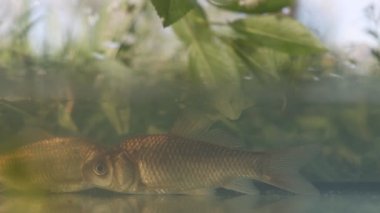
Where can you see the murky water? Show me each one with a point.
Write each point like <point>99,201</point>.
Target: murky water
<point>120,74</point>
<point>346,170</point>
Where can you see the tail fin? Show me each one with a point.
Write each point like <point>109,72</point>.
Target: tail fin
<point>280,169</point>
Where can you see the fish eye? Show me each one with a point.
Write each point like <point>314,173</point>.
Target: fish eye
<point>100,168</point>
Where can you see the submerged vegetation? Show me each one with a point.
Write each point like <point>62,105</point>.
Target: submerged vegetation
<point>142,68</point>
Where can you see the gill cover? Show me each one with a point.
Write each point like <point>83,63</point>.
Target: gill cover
<point>125,173</point>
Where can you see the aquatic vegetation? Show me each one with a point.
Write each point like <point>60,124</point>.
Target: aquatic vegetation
<point>262,77</point>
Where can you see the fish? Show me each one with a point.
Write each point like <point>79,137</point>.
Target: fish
<point>172,164</point>
<point>53,164</point>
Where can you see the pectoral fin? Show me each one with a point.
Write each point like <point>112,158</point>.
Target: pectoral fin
<point>242,185</point>
<point>206,191</point>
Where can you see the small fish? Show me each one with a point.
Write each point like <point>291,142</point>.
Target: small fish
<point>53,164</point>
<point>172,164</point>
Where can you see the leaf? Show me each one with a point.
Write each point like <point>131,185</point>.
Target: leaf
<point>280,33</point>
<point>252,6</point>
<point>213,65</point>
<point>267,6</point>
<point>186,28</point>
<point>172,10</point>
<point>267,62</point>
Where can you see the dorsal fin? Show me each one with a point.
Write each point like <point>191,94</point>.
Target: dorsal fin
<point>197,126</point>
<point>193,123</point>
<point>31,134</point>
<point>220,137</point>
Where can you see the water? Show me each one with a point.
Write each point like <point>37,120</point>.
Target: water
<point>340,114</point>
<point>77,203</point>
<point>117,72</point>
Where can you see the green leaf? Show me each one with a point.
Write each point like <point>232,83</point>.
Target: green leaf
<point>172,10</point>
<point>186,29</point>
<point>252,6</point>
<point>213,65</point>
<point>280,33</point>
<point>267,62</point>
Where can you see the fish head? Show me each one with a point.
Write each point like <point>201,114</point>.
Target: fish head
<point>111,171</point>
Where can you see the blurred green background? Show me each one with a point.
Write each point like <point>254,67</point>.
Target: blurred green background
<point>262,77</point>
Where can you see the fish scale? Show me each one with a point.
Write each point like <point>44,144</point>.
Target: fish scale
<point>171,163</point>
<point>168,163</point>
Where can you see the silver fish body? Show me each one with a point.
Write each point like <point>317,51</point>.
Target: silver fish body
<point>53,164</point>
<point>172,164</point>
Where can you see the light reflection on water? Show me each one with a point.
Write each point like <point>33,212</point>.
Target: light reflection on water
<point>77,203</point>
